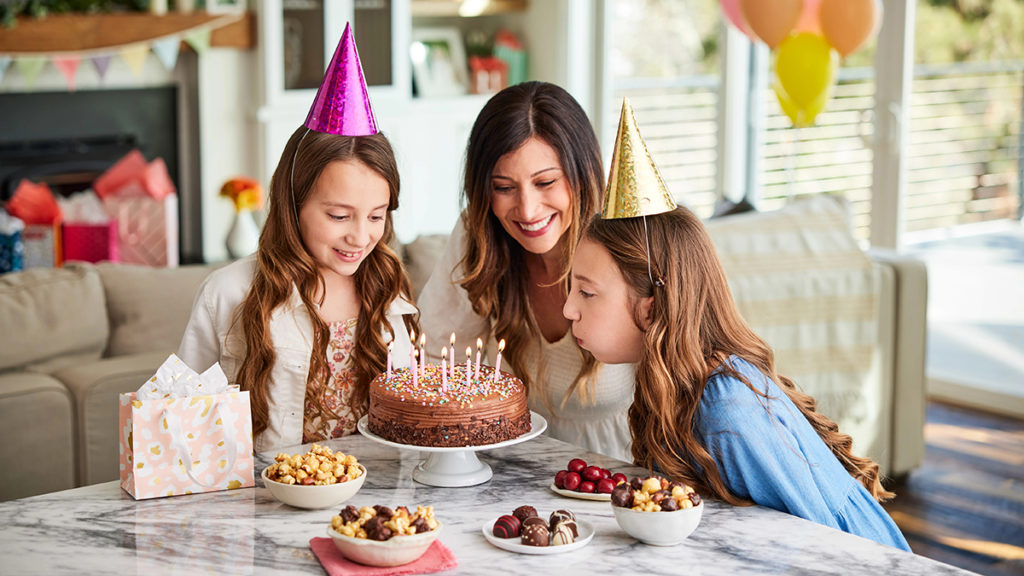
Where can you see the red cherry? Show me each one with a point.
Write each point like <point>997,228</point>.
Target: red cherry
<point>605,485</point>
<point>619,477</point>
<point>571,481</point>
<point>560,478</point>
<point>586,487</point>
<point>605,473</point>
<point>591,474</point>
<point>576,465</point>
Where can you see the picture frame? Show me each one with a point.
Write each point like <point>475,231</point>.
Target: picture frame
<point>225,6</point>
<point>438,62</point>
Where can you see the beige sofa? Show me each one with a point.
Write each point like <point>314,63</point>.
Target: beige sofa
<point>72,339</point>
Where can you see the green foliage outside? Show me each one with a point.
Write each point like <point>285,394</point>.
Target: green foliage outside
<point>41,8</point>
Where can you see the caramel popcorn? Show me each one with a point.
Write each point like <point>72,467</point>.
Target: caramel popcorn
<point>318,467</point>
<point>654,494</point>
<point>382,523</point>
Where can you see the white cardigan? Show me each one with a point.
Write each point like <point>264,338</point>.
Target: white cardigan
<point>210,337</point>
<point>601,426</point>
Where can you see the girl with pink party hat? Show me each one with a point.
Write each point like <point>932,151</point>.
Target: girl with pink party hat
<point>304,324</point>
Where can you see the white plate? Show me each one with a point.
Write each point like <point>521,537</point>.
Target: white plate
<point>581,495</point>
<point>513,544</point>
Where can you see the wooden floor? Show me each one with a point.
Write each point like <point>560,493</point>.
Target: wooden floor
<point>965,505</point>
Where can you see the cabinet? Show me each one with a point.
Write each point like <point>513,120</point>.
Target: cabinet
<point>298,38</point>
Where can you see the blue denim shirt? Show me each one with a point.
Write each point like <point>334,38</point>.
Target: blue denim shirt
<point>767,452</point>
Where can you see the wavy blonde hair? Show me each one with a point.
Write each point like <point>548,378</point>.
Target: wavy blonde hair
<point>694,328</point>
<point>283,264</point>
<point>510,118</point>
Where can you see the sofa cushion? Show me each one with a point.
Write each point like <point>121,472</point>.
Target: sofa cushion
<point>420,256</point>
<point>37,425</point>
<point>49,313</point>
<point>148,307</point>
<point>95,387</point>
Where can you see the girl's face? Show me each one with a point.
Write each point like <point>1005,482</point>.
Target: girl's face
<point>601,307</point>
<point>530,196</point>
<point>344,216</point>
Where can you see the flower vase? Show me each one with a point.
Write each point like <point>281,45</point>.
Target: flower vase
<point>244,236</point>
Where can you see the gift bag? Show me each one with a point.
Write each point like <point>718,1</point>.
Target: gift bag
<point>90,242</point>
<point>41,246</point>
<point>147,228</point>
<point>172,446</point>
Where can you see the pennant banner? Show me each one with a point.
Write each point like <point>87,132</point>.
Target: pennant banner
<point>30,69</point>
<point>5,61</point>
<point>199,40</point>
<point>135,57</point>
<point>68,66</point>
<point>101,63</point>
<point>166,49</point>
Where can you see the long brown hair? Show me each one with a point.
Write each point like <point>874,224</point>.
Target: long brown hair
<point>694,328</point>
<point>507,121</point>
<point>282,263</point>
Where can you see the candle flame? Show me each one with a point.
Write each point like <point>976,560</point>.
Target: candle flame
<point>452,339</point>
<point>501,345</point>
<point>469,351</point>
<point>444,352</point>
<point>391,345</point>
<point>479,343</point>
<point>423,339</point>
<point>412,335</point>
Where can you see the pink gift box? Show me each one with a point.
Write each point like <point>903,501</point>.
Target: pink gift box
<point>175,446</point>
<point>90,242</point>
<point>147,229</point>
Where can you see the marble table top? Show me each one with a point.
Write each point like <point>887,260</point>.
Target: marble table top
<point>101,529</point>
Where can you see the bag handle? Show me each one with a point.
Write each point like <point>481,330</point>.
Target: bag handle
<point>180,443</point>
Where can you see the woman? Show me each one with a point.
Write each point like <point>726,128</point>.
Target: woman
<point>533,177</point>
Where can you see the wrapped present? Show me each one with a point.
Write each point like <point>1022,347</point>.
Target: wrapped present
<point>147,229</point>
<point>11,247</point>
<point>35,205</point>
<point>184,433</point>
<point>89,242</point>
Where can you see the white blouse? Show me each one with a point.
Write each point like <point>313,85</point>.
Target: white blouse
<point>599,426</point>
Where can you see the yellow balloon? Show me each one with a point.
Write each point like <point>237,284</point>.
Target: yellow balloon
<point>801,116</point>
<point>805,66</point>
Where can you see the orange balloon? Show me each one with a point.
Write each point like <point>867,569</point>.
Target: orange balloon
<point>771,20</point>
<point>808,21</point>
<point>848,24</point>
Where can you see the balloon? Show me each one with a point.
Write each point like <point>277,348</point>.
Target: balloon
<point>805,70</point>
<point>731,8</point>
<point>771,20</point>
<point>848,24</point>
<point>809,20</point>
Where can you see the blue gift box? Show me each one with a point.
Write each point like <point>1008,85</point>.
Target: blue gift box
<point>11,251</point>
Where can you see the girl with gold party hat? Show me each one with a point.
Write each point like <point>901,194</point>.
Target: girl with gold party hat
<point>709,408</point>
<point>304,324</point>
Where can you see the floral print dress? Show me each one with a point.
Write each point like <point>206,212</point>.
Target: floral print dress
<point>339,389</point>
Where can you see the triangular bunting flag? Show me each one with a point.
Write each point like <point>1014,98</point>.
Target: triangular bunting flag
<point>5,61</point>
<point>199,40</point>
<point>135,57</point>
<point>101,63</point>
<point>166,49</point>
<point>30,69</point>
<point>68,66</point>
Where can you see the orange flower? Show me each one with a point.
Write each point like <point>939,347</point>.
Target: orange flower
<point>246,193</point>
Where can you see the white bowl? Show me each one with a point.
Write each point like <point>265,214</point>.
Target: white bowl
<point>659,528</point>
<point>395,551</point>
<point>314,497</point>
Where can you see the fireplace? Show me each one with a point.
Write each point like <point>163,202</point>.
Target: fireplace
<point>66,139</point>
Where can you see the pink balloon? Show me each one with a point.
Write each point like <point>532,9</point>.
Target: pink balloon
<point>735,16</point>
<point>810,19</point>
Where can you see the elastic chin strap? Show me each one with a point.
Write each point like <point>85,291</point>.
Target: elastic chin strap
<point>291,179</point>
<point>647,244</point>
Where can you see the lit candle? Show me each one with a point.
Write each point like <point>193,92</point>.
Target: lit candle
<point>412,349</point>
<point>444,368</point>
<point>412,366</point>
<point>451,360</point>
<point>423,355</point>
<point>469,368</point>
<point>391,346</point>
<point>479,345</point>
<point>497,363</point>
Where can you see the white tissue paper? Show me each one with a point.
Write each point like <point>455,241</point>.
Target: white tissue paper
<point>174,379</point>
<point>9,224</point>
<point>83,208</point>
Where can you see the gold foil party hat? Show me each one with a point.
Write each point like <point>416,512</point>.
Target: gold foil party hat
<point>634,186</point>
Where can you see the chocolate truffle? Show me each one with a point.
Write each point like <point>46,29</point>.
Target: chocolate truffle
<point>571,526</point>
<point>535,535</point>
<point>524,512</point>
<point>559,515</point>
<point>506,526</point>
<point>535,520</point>
<point>622,496</point>
<point>563,534</point>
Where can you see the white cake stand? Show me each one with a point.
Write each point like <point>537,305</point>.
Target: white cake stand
<point>456,466</point>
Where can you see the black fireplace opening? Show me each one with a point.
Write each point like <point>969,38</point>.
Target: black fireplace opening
<point>67,139</point>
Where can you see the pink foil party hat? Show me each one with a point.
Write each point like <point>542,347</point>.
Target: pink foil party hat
<point>342,105</point>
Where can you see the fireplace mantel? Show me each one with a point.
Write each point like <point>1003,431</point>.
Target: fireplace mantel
<point>82,32</point>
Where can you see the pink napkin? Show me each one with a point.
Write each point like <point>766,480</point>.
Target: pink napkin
<point>437,558</point>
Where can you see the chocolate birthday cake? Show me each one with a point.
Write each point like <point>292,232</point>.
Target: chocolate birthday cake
<point>448,412</point>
